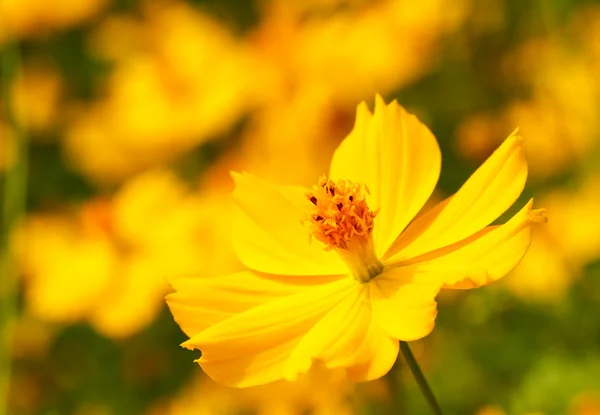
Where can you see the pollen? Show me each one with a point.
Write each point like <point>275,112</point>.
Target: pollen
<point>341,218</point>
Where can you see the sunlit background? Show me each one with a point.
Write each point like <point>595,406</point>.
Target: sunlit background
<point>135,111</point>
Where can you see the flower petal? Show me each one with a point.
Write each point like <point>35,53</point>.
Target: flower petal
<point>487,194</point>
<point>200,302</point>
<point>269,235</point>
<point>265,331</point>
<point>399,160</point>
<point>252,369</point>
<point>487,256</point>
<point>404,303</point>
<point>347,337</point>
<point>375,357</point>
<point>338,328</point>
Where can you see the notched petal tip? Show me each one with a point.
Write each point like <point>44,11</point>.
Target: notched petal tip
<point>379,103</point>
<point>515,140</point>
<point>363,114</point>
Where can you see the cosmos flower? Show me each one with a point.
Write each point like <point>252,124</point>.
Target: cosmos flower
<point>341,272</point>
<point>321,391</point>
<point>123,260</point>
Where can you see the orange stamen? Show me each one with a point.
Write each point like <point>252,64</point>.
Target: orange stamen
<point>343,221</point>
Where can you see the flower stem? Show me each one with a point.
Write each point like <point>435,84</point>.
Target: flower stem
<point>421,381</point>
<point>13,207</point>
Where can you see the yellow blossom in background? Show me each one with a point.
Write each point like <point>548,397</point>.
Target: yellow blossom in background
<point>586,403</point>
<point>304,128</point>
<point>495,410</point>
<point>375,47</point>
<point>560,251</point>
<point>585,27</point>
<point>354,51</point>
<point>54,248</point>
<point>37,96</point>
<point>544,274</point>
<point>181,78</point>
<point>323,56</point>
<point>185,81</point>
<point>34,18</point>
<point>490,410</point>
<point>371,273</point>
<point>320,392</point>
<point>559,116</point>
<point>577,225</point>
<point>108,262</point>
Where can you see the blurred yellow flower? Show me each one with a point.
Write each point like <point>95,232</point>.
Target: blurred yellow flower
<point>576,229</point>
<point>559,114</point>
<point>372,272</point>
<point>37,95</point>
<point>180,79</point>
<point>319,392</point>
<point>490,410</point>
<point>560,251</point>
<point>356,50</point>
<point>108,264</point>
<point>29,18</point>
<point>396,40</point>
<point>544,274</point>
<point>586,403</point>
<point>305,127</point>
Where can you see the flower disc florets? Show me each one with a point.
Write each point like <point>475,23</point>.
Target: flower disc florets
<point>343,221</point>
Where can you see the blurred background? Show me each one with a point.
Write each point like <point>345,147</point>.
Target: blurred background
<point>125,117</point>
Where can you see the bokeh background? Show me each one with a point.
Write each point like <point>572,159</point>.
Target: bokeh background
<point>131,113</point>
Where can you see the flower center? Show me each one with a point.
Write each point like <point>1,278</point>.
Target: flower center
<point>343,221</point>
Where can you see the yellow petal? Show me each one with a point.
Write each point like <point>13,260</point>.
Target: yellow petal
<point>485,257</point>
<point>376,355</point>
<point>347,337</point>
<point>404,303</point>
<point>200,302</point>
<point>134,302</point>
<point>265,328</point>
<point>487,194</point>
<point>252,369</point>
<point>399,160</point>
<point>339,328</point>
<point>268,231</point>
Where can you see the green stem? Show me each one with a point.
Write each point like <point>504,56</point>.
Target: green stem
<point>421,381</point>
<point>13,207</point>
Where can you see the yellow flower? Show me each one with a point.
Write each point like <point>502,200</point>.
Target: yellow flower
<point>35,18</point>
<point>559,113</point>
<point>321,392</point>
<point>193,81</point>
<point>369,275</point>
<point>560,252</point>
<point>37,97</point>
<point>125,246</point>
<point>586,403</point>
